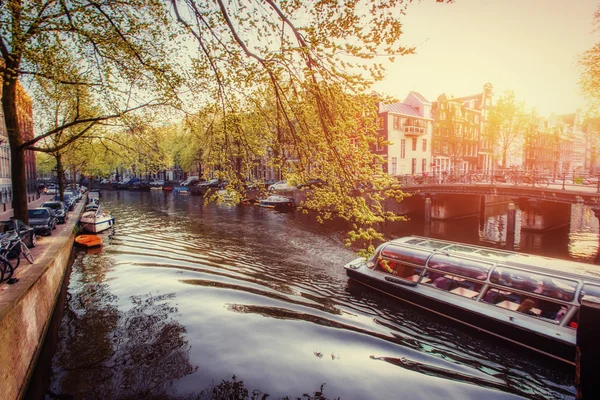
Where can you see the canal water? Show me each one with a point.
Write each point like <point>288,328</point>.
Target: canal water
<point>188,300</point>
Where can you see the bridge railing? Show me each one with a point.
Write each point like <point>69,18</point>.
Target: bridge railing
<point>557,180</point>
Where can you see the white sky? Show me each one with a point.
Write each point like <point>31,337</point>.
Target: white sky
<point>529,46</point>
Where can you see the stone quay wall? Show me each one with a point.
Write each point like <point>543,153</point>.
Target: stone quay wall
<point>26,308</point>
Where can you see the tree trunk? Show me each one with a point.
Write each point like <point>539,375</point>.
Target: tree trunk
<point>60,173</point>
<point>17,155</point>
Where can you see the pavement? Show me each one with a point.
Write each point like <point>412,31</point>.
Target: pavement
<point>33,204</point>
<point>44,243</point>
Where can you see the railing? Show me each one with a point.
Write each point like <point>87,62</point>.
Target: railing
<point>414,129</point>
<point>564,181</point>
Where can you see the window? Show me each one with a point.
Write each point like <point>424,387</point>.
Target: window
<point>378,145</point>
<point>396,120</point>
<point>394,165</point>
<point>413,169</point>
<point>414,144</point>
<point>424,144</point>
<point>403,148</point>
<point>558,288</point>
<point>424,165</point>
<point>381,123</point>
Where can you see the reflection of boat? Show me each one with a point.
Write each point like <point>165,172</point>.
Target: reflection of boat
<point>95,220</point>
<point>88,240</point>
<point>277,202</point>
<point>525,299</point>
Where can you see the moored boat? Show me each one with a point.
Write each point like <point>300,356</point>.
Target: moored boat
<point>181,190</point>
<point>95,220</point>
<point>277,202</point>
<point>528,300</point>
<point>88,240</point>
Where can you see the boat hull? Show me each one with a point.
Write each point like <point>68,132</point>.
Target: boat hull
<point>88,240</point>
<point>506,330</point>
<point>96,225</point>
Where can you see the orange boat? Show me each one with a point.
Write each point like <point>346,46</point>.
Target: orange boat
<point>88,240</point>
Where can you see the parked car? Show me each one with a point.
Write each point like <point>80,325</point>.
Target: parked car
<point>157,182</point>
<point>51,189</point>
<point>312,183</point>
<point>105,181</point>
<point>190,181</point>
<point>211,183</point>
<point>59,209</point>
<point>281,185</point>
<point>26,233</point>
<point>68,199</point>
<point>42,220</point>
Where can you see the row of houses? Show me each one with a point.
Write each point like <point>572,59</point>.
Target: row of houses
<point>417,136</point>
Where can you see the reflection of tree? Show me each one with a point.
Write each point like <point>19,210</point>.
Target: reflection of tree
<point>108,353</point>
<point>236,390</point>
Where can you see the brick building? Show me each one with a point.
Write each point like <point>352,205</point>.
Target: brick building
<point>459,137</point>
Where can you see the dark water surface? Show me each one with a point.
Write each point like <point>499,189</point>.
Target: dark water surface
<point>185,295</point>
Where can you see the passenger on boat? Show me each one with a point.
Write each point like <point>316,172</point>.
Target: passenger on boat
<point>526,307</point>
<point>404,271</point>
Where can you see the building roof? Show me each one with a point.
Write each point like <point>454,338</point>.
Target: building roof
<point>567,118</point>
<point>421,98</point>
<point>404,109</point>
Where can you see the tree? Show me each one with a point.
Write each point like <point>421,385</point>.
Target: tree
<point>113,49</point>
<point>590,72</point>
<point>507,126</point>
<point>302,66</point>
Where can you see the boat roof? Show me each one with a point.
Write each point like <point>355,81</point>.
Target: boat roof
<point>547,265</point>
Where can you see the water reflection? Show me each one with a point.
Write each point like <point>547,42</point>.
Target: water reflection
<point>114,350</point>
<point>186,294</point>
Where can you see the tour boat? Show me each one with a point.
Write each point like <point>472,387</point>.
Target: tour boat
<point>277,202</point>
<point>94,220</point>
<point>529,300</point>
<point>88,240</point>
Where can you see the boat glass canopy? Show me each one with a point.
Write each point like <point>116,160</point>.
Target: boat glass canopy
<point>558,288</point>
<point>430,244</point>
<point>460,266</point>
<point>406,254</point>
<point>589,290</point>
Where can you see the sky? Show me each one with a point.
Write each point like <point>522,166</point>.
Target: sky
<point>529,46</point>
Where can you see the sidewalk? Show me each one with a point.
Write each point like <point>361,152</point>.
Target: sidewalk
<point>6,215</point>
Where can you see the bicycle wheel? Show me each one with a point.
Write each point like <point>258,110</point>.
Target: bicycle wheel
<point>6,270</point>
<point>26,253</point>
<point>542,182</point>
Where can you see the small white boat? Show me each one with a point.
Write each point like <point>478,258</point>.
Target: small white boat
<point>276,201</point>
<point>95,220</point>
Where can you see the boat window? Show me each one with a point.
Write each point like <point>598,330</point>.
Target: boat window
<point>462,249</point>
<point>496,255</point>
<point>522,303</point>
<point>590,290</point>
<point>459,266</point>
<point>399,269</point>
<point>405,254</point>
<point>558,288</point>
<point>452,283</point>
<point>414,241</point>
<point>433,244</point>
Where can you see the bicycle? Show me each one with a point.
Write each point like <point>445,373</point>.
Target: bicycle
<point>530,180</point>
<point>8,248</point>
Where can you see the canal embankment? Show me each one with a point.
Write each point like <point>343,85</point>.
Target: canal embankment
<point>26,307</point>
